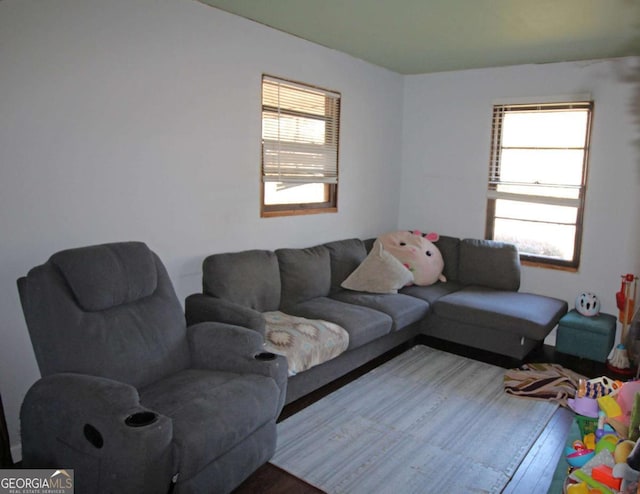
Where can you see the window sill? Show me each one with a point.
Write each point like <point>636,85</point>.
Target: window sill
<point>296,212</point>
<point>540,264</point>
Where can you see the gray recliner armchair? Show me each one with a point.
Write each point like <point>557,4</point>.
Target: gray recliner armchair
<point>130,397</point>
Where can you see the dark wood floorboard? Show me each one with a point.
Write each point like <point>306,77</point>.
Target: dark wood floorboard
<point>536,471</point>
<point>534,474</point>
<point>269,479</point>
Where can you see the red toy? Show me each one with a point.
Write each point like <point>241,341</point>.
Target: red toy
<point>626,298</point>
<point>604,474</point>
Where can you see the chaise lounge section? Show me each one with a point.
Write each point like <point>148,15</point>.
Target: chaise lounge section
<point>479,305</point>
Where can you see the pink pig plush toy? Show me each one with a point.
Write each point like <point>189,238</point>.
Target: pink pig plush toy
<point>418,254</point>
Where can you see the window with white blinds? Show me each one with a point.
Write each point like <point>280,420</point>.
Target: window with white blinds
<point>300,137</point>
<point>537,179</point>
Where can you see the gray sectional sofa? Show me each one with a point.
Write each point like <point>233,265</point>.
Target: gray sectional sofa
<point>479,305</point>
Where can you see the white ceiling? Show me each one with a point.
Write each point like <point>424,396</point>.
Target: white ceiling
<point>421,36</point>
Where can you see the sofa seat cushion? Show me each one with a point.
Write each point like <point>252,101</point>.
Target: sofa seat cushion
<point>362,323</point>
<point>433,292</point>
<point>526,314</point>
<point>211,412</point>
<point>403,309</point>
<point>305,342</point>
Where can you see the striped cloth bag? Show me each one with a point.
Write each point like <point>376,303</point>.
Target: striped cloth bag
<point>542,381</point>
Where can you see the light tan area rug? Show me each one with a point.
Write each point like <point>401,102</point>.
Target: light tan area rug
<point>425,422</point>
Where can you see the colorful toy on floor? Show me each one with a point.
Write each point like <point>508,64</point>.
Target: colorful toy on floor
<point>633,460</point>
<point>623,450</point>
<point>609,406</point>
<point>607,442</point>
<point>591,482</point>
<point>585,406</point>
<point>634,419</point>
<point>605,459</point>
<point>578,454</point>
<point>580,457</point>
<point>590,441</point>
<point>597,387</point>
<point>625,301</point>
<point>625,397</point>
<point>600,429</point>
<point>604,474</point>
<point>581,488</point>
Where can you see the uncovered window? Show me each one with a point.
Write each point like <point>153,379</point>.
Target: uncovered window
<point>300,135</point>
<point>537,180</point>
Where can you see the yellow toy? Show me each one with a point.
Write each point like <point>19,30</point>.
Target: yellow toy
<point>581,488</point>
<point>590,441</point>
<point>609,406</point>
<point>623,450</point>
<point>591,483</point>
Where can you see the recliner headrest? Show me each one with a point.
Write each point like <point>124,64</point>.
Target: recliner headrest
<point>108,275</point>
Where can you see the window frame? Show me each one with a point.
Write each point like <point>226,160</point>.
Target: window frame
<point>493,195</point>
<point>332,133</point>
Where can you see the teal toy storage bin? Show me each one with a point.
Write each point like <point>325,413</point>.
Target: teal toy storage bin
<point>587,337</point>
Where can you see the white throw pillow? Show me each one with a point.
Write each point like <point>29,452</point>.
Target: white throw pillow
<point>380,272</point>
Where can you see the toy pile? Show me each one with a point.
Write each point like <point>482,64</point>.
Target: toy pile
<point>606,460</point>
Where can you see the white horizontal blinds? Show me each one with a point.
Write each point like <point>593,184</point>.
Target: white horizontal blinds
<point>496,140</point>
<point>300,127</point>
<point>538,153</point>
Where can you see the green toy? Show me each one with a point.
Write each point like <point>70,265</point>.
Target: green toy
<point>634,422</point>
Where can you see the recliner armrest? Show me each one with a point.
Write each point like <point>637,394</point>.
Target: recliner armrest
<point>81,420</point>
<point>229,348</point>
<point>204,308</point>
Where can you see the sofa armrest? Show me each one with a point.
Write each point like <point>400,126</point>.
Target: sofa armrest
<point>204,308</point>
<point>228,348</point>
<point>83,421</point>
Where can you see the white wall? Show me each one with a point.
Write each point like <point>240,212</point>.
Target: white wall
<point>123,120</point>
<point>447,122</point>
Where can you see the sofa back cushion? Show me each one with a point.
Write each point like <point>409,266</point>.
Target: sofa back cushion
<point>250,278</point>
<point>304,274</point>
<point>489,263</point>
<point>449,247</point>
<point>368,243</point>
<point>346,256</point>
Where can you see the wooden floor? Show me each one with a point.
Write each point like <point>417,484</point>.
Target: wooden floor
<point>534,474</point>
